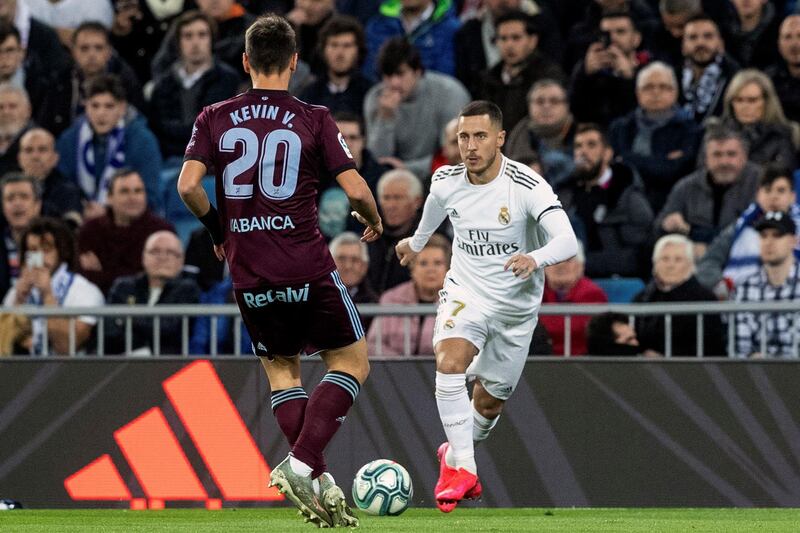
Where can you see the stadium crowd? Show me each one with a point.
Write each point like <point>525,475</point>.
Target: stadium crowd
<point>668,128</point>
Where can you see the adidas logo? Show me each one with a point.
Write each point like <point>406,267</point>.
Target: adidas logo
<point>218,433</point>
<point>452,213</point>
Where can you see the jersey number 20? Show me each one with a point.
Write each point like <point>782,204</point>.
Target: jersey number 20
<point>266,163</point>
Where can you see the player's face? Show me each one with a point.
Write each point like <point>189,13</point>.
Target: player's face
<point>103,112</point>
<point>479,142</point>
<point>548,105</point>
<point>397,204</point>
<point>162,256</point>
<point>590,152</point>
<point>563,276</point>
<point>91,52</point>
<point>37,154</point>
<point>725,160</point>
<point>351,131</point>
<point>672,266</point>
<point>314,10</point>
<point>128,198</point>
<point>196,43</point>
<point>20,205</point>
<point>217,9</point>
<point>11,56</point>
<point>514,43</point>
<point>350,264</point>
<point>749,104</point>
<point>403,81</point>
<point>776,247</point>
<point>701,42</point>
<point>776,196</point>
<point>429,269</point>
<point>341,53</point>
<point>789,40</point>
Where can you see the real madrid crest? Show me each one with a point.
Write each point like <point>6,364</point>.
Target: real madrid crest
<point>504,217</point>
<point>449,324</point>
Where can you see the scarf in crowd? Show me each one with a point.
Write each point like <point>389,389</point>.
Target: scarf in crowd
<point>93,183</point>
<point>60,283</point>
<point>646,125</point>
<point>701,96</point>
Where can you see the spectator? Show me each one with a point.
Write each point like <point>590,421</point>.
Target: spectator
<point>546,133</point>
<point>352,262</point>
<point>341,87</point>
<point>429,25</point>
<point>707,200</point>
<point>665,42</point>
<point>21,197</point>
<point>49,279</point>
<point>706,69</point>
<point>66,15</point>
<point>674,281</point>
<point>14,69</point>
<point>776,281</point>
<point>733,255</point>
<point>658,139</point>
<point>785,73</point>
<point>753,109</point>
<point>15,120</point>
<point>158,284</point>
<point>521,64</point>
<point>202,265</point>
<point>38,158</point>
<point>232,22</point>
<point>566,283</point>
<point>407,110</point>
<point>200,341</point>
<point>448,154</point>
<point>195,80</point>
<point>139,29</point>
<point>399,200</point>
<point>607,207</point>
<point>475,40</point>
<point>93,56</point>
<point>603,84</point>
<point>40,41</point>
<point>111,245</point>
<point>611,334</point>
<point>751,33</point>
<point>308,17</point>
<point>386,335</point>
<point>106,139</point>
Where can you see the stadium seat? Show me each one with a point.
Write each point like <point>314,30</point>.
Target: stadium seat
<point>620,290</point>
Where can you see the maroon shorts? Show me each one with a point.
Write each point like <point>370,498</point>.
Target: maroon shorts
<point>300,318</point>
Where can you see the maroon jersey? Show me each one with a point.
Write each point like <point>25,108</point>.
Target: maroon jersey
<point>269,152</point>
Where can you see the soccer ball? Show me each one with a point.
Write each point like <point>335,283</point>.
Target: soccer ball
<point>382,487</point>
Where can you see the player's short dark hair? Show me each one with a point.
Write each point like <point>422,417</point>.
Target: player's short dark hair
<point>123,172</point>
<point>773,173</point>
<point>105,83</point>
<point>395,53</point>
<point>340,25</point>
<point>63,239</point>
<point>347,116</point>
<point>18,177</point>
<point>515,15</point>
<point>600,336</point>
<point>702,17</point>
<point>7,30</point>
<point>270,43</point>
<point>483,107</point>
<point>189,17</point>
<point>91,26</point>
<point>586,127</point>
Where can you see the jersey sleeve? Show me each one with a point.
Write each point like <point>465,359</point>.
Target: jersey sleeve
<point>335,152</point>
<point>541,200</point>
<point>201,144</point>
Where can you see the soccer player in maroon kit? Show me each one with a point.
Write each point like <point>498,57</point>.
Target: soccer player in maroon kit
<point>269,152</point>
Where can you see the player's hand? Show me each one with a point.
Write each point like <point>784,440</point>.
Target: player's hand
<point>372,231</point>
<point>404,252</point>
<point>219,251</point>
<point>522,265</point>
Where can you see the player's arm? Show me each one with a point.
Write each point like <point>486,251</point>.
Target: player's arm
<point>190,187</point>
<point>363,203</point>
<point>561,245</point>
<point>433,214</point>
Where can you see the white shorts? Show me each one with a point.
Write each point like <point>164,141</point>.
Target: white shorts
<point>502,346</point>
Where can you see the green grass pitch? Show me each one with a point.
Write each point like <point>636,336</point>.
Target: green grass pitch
<point>412,521</point>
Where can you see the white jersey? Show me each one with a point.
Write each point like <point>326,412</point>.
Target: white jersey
<point>491,223</point>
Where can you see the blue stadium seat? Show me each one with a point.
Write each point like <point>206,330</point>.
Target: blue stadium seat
<point>620,290</point>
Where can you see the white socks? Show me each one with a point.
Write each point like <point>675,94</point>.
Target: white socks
<point>481,427</point>
<point>455,411</point>
<point>299,467</point>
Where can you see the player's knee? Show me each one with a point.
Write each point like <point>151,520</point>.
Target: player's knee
<point>489,408</point>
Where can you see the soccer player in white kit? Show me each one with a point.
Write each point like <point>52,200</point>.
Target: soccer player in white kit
<point>508,225</point>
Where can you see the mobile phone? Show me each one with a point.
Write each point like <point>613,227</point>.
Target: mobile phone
<point>605,39</point>
<point>34,259</point>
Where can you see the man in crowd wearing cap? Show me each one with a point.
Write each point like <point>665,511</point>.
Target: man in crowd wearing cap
<point>776,281</point>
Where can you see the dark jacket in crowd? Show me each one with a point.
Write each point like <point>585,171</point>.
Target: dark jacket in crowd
<point>600,97</point>
<point>132,290</point>
<point>788,89</point>
<point>174,108</point>
<point>60,195</point>
<point>650,329</point>
<point>756,48</point>
<point>200,262</point>
<point>44,44</point>
<point>768,143</point>
<point>350,100</point>
<point>385,271</point>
